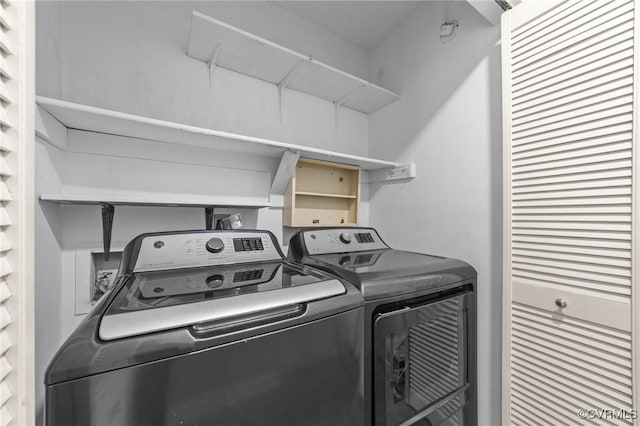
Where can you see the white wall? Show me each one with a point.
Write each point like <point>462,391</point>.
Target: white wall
<point>448,121</point>
<point>49,296</point>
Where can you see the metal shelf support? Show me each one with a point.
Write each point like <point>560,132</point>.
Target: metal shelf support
<point>283,85</point>
<point>337,104</point>
<point>212,63</point>
<point>208,217</point>
<point>108,211</point>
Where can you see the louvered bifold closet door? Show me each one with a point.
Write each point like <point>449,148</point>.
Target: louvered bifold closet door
<point>568,98</point>
<point>16,212</point>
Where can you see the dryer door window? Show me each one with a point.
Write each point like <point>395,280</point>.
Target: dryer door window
<point>421,363</point>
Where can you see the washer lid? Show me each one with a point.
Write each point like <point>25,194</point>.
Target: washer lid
<point>389,272</point>
<point>162,300</point>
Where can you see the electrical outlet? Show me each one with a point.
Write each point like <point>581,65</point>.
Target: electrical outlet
<point>405,171</point>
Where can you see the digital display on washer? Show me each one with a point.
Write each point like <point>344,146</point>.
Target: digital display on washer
<point>247,275</point>
<point>247,244</point>
<point>364,237</point>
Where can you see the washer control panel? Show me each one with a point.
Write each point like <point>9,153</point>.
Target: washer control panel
<point>341,240</point>
<point>190,250</point>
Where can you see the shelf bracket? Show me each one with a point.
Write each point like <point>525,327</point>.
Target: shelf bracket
<point>337,104</point>
<point>208,217</point>
<point>108,211</point>
<point>212,63</point>
<point>283,85</point>
<point>285,171</point>
<point>286,168</point>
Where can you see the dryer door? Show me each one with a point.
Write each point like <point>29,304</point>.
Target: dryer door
<point>422,363</point>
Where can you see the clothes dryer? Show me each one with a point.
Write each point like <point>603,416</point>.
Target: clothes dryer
<point>419,327</point>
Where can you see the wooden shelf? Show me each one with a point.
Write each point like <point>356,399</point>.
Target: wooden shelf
<point>321,194</point>
<point>139,201</point>
<point>222,45</point>
<point>84,117</point>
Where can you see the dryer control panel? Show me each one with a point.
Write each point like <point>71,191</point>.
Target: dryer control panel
<point>187,250</point>
<point>342,240</point>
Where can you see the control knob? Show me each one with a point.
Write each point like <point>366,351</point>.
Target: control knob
<point>344,261</point>
<point>214,245</point>
<point>214,281</point>
<point>345,237</point>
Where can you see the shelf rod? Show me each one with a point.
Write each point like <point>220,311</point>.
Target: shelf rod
<point>108,211</point>
<point>212,63</point>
